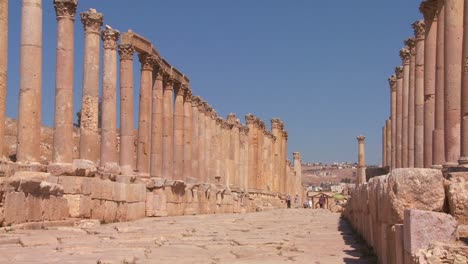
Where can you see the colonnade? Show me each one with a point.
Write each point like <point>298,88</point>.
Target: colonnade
<point>179,137</point>
<point>428,92</point>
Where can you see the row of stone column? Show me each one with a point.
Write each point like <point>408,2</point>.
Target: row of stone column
<point>425,128</point>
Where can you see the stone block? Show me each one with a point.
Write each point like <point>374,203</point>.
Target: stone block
<point>119,192</point>
<point>424,227</point>
<point>33,208</point>
<point>60,169</point>
<point>54,208</point>
<point>102,189</point>
<point>71,184</point>
<point>79,205</point>
<point>97,209</point>
<point>457,195</point>
<point>149,204</point>
<point>15,208</point>
<point>136,192</point>
<point>444,253</point>
<point>121,213</point>
<point>399,250</point>
<point>110,210</point>
<point>136,211</point>
<point>84,168</point>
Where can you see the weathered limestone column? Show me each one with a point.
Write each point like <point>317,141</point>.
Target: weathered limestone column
<point>218,156</point>
<point>388,142</point>
<point>179,133</point>
<point>282,158</point>
<point>454,16</point>
<point>251,120</point>
<point>89,137</point>
<point>260,157</point>
<point>214,147</point>
<point>3,69</point>
<point>244,132</point>
<point>285,158</point>
<point>144,116</point>
<point>63,121</point>
<point>392,82</point>
<point>438,144</point>
<point>297,162</point>
<point>428,8</point>
<point>168,128</point>
<point>195,135</point>
<point>384,146</point>
<point>361,170</point>
<point>234,155</point>
<point>127,145</point>
<point>405,58</point>
<point>269,161</point>
<point>29,107</point>
<point>201,141</point>
<point>464,95</point>
<point>188,128</point>
<point>275,125</point>
<point>109,96</point>
<point>419,32</point>
<point>411,109</point>
<point>399,117</point>
<point>208,132</point>
<point>228,155</point>
<point>157,101</point>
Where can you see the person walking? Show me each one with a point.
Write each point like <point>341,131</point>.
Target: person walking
<point>296,200</point>
<point>288,200</point>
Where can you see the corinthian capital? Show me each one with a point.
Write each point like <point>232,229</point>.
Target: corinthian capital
<point>361,139</point>
<point>275,123</point>
<point>126,51</point>
<point>147,61</point>
<point>188,95</point>
<point>411,43</point>
<point>195,101</point>
<point>429,9</point>
<point>285,135</point>
<point>405,55</point>
<point>419,29</point>
<point>92,21</point>
<point>110,37</point>
<point>399,72</point>
<point>296,155</point>
<point>392,81</point>
<point>65,8</point>
<point>250,119</point>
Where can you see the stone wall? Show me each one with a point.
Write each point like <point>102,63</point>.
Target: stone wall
<point>403,215</point>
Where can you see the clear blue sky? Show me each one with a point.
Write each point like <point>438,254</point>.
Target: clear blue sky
<point>321,66</point>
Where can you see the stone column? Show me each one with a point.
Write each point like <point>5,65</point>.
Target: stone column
<point>208,132</point>
<point>218,156</point>
<point>297,160</point>
<point>388,142</point>
<point>405,57</point>
<point>3,69</point>
<point>428,8</point>
<point>384,146</point>
<point>464,95</point>
<point>168,129</point>
<point>63,121</point>
<point>285,158</point>
<point>454,16</point>
<point>260,155</point>
<point>109,96</point>
<point>234,150</point>
<point>392,82</point>
<point>251,120</point>
<point>29,107</point>
<point>419,32</point>
<point>227,153</point>
<point>179,133</point>
<point>127,144</point>
<point>275,125</point>
<point>399,117</point>
<point>157,101</point>
<point>361,170</point>
<point>188,134</point>
<point>438,145</point>
<point>89,137</point>
<point>195,135</point>
<point>411,109</point>
<point>244,131</point>
<point>214,147</point>
<point>201,141</point>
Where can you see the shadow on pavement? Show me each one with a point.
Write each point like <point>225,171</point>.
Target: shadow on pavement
<point>362,253</point>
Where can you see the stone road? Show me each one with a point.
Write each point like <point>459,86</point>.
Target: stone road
<point>280,236</point>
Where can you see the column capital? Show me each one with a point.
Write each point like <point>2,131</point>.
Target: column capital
<point>297,155</point>
<point>419,28</point>
<point>92,21</point>
<point>214,115</point>
<point>399,72</point>
<point>182,90</point>
<point>405,55</point>
<point>158,73</point>
<point>110,37</point>
<point>392,81</point>
<point>275,123</point>
<point>244,130</point>
<point>429,9</point>
<point>411,44</point>
<point>232,118</point>
<point>219,121</point>
<point>170,81</point>
<point>196,100</point>
<point>202,107</point>
<point>250,119</point>
<point>285,134</point>
<point>226,125</point>
<point>361,139</point>
<point>147,61</point>
<point>126,51</point>
<point>65,9</point>
<point>188,95</point>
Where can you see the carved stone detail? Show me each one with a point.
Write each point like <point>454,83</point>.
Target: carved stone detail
<point>65,8</point>
<point>92,21</point>
<point>399,72</point>
<point>188,95</point>
<point>110,37</point>
<point>392,81</point>
<point>405,55</point>
<point>429,9</point>
<point>147,61</point>
<point>419,29</point>
<point>126,51</point>
<point>361,139</point>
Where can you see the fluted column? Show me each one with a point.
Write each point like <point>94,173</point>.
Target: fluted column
<point>405,57</point>
<point>297,163</point>
<point>157,109</point>
<point>361,170</point>
<point>188,128</point>
<point>179,133</point>
<point>29,107</point>
<point>168,128</point>
<point>127,145</point>
<point>195,135</point>
<point>201,141</point>
<point>388,142</point>
<point>109,96</point>
<point>3,68</point>
<point>399,117</point>
<point>410,42</point>
<point>438,144</point>
<point>419,32</point>
<point>392,82</point>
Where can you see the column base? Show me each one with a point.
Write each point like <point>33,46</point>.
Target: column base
<point>61,169</point>
<point>437,167</point>
<point>463,162</point>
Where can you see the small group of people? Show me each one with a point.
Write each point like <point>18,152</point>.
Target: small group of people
<point>296,200</point>
<point>309,204</point>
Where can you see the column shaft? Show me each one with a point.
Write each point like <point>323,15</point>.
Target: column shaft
<point>464,94</point>
<point>361,170</point>
<point>419,31</point>
<point>188,134</point>
<point>168,129</point>
<point>195,135</point>
<point>388,142</point>
<point>157,100</point>
<point>405,54</point>
<point>179,134</point>
<point>201,141</point>
<point>384,146</point>
<point>208,142</point>
<point>411,107</point>
<point>399,117</point>
<point>392,81</point>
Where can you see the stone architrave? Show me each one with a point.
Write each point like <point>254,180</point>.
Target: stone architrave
<point>419,32</point>
<point>428,8</point>
<point>438,144</point>
<point>410,42</point>
<point>3,68</point>
<point>388,142</point>
<point>361,169</point>
<point>188,128</point>
<point>127,144</point>
<point>109,96</point>
<point>168,128</point>
<point>405,56</point>
<point>202,140</point>
<point>195,135</point>
<point>89,135</point>
<point>29,107</point>
<point>179,132</point>
<point>144,115</point>
<point>399,117</point>
<point>157,124</point>
<point>454,15</point>
<point>63,121</point>
<point>392,82</point>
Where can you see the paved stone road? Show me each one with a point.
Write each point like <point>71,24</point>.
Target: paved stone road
<point>281,236</point>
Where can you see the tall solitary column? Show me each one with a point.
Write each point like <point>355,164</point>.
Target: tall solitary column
<point>388,142</point>
<point>89,141</point>
<point>127,145</point>
<point>464,94</point>
<point>179,133</point>
<point>157,124</point>
<point>188,134</point>
<point>109,96</point>
<point>361,170</point>
<point>63,122</point>
<point>419,32</point>
<point>168,129</point>
<point>405,57</point>
<point>392,82</point>
<point>438,144</point>
<point>144,115</point>
<point>410,42</point>
<point>195,135</point>
<point>399,117</point>
<point>29,107</point>
<point>3,68</point>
